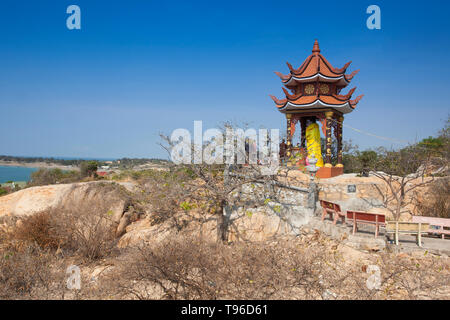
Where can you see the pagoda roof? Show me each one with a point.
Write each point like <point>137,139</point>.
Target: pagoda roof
<point>317,68</point>
<point>341,103</point>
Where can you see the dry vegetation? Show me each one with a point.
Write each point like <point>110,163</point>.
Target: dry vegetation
<point>437,200</point>
<point>85,231</point>
<point>183,267</point>
<point>288,269</point>
<point>36,251</point>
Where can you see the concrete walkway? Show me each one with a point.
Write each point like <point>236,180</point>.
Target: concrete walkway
<point>408,243</point>
<point>365,239</point>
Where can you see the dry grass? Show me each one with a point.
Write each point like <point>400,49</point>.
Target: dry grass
<point>28,272</point>
<point>35,253</point>
<point>39,229</point>
<point>187,268</point>
<point>437,203</point>
<point>86,231</point>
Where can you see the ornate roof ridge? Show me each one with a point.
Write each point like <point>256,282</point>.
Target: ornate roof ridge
<point>303,66</point>
<point>329,70</point>
<point>344,96</point>
<point>354,102</point>
<point>340,71</point>
<point>350,76</point>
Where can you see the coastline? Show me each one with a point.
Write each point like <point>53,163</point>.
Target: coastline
<point>37,165</point>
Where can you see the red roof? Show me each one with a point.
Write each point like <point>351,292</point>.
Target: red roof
<point>314,67</point>
<point>316,83</point>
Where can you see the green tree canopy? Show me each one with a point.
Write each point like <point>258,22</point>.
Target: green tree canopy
<point>88,168</point>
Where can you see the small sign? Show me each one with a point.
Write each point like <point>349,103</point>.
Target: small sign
<point>351,188</point>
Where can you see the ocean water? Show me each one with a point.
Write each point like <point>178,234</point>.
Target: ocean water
<point>15,173</point>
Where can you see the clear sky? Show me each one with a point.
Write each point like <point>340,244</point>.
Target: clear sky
<point>138,68</point>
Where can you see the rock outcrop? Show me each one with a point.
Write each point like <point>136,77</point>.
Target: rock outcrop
<point>108,195</point>
<point>283,214</point>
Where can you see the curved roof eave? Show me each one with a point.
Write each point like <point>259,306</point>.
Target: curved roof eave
<point>341,79</point>
<point>344,108</point>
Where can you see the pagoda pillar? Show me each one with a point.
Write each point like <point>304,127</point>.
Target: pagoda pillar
<point>328,115</point>
<point>288,135</point>
<point>339,141</point>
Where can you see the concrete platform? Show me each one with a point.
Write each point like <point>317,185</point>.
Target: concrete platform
<point>408,243</point>
<point>365,239</point>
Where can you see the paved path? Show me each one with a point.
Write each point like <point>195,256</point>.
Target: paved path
<point>408,243</point>
<point>366,233</point>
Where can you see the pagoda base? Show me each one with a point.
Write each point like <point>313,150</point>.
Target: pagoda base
<point>329,172</point>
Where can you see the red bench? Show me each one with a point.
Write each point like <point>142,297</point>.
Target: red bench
<point>441,223</point>
<point>333,210</point>
<point>376,219</point>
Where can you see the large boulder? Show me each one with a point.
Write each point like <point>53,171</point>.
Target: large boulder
<point>31,200</point>
<point>109,195</point>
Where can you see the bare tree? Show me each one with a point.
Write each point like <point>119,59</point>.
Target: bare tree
<point>402,172</point>
<point>219,187</point>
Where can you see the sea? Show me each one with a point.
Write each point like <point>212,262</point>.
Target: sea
<point>15,173</point>
<point>8,173</point>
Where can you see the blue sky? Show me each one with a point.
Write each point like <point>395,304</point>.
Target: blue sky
<point>138,68</point>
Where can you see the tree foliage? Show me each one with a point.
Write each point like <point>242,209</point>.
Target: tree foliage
<point>88,168</point>
<point>44,177</point>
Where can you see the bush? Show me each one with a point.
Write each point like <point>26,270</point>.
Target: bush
<point>3,191</point>
<point>39,229</point>
<point>26,273</point>
<point>189,268</point>
<point>44,177</point>
<point>88,168</point>
<point>85,230</point>
<point>437,203</point>
<point>163,191</point>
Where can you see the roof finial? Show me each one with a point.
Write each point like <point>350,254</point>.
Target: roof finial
<point>316,47</point>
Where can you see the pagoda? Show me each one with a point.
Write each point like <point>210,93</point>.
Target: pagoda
<point>313,93</point>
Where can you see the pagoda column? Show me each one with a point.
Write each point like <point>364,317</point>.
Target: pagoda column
<point>328,115</point>
<point>288,135</point>
<point>339,141</point>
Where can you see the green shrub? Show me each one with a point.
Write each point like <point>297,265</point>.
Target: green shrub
<point>44,177</point>
<point>88,168</point>
<point>3,191</point>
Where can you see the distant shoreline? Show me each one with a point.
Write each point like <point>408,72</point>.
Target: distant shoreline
<point>37,165</point>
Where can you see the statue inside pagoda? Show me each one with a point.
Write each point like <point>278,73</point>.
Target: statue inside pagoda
<point>313,142</point>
